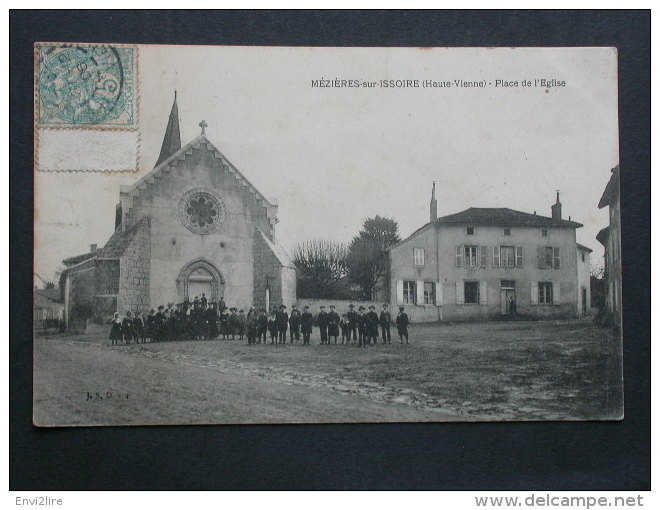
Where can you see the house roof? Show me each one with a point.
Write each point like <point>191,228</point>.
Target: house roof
<point>504,217</point>
<point>602,235</point>
<point>584,248</point>
<point>77,259</point>
<point>52,294</point>
<point>611,189</point>
<point>495,216</point>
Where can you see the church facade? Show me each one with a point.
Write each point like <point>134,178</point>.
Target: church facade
<point>193,225</point>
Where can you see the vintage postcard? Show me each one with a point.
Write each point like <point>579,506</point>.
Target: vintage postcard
<point>274,235</point>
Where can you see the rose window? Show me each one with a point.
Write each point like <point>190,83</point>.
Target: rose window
<point>201,212</point>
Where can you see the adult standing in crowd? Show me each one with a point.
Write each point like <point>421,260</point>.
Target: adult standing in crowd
<point>333,324</point>
<point>306,323</point>
<point>352,317</point>
<point>322,321</point>
<point>385,322</point>
<point>282,319</point>
<point>294,324</point>
<point>372,325</point>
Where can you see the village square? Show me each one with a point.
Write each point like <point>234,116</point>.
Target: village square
<point>193,312</point>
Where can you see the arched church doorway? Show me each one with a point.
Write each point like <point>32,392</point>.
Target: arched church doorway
<point>200,277</point>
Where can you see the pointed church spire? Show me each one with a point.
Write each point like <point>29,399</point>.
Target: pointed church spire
<point>172,139</point>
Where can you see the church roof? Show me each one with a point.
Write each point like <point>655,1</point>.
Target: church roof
<point>198,143</point>
<point>279,252</point>
<point>121,239</point>
<point>172,138</point>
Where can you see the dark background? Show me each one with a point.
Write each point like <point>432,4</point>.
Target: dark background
<point>514,456</point>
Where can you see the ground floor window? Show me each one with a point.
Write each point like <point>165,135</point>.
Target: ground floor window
<point>409,292</point>
<point>429,293</point>
<point>545,293</point>
<point>471,291</point>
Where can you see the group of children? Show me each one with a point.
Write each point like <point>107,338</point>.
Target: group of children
<point>200,319</point>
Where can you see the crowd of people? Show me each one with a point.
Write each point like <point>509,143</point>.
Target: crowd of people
<point>201,319</point>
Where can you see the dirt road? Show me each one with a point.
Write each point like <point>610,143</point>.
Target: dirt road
<point>142,386</point>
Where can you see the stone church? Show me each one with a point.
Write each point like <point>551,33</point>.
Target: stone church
<point>193,225</point>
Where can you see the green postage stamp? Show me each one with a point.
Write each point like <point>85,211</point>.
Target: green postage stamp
<point>86,85</point>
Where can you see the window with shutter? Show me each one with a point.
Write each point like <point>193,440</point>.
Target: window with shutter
<point>409,293</point>
<point>471,255</point>
<point>519,256</point>
<point>545,293</point>
<point>496,256</point>
<point>471,292</point>
<point>418,256</point>
<point>549,253</point>
<point>557,263</point>
<point>459,256</point>
<point>507,256</point>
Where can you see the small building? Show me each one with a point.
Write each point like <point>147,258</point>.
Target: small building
<point>610,238</point>
<point>485,263</point>
<point>48,309</point>
<point>193,226</point>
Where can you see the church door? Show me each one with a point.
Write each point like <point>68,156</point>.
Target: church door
<point>200,282</point>
<point>199,277</point>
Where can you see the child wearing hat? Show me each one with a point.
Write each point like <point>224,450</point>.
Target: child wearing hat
<point>402,322</point>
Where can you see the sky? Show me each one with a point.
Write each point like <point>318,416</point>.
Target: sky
<point>334,156</point>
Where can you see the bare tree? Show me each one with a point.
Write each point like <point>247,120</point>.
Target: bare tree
<point>321,264</point>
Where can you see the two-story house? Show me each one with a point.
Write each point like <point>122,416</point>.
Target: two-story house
<point>482,263</point>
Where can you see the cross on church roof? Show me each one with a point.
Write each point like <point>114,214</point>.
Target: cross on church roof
<point>203,125</point>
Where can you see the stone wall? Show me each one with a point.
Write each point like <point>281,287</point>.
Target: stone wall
<point>267,269</point>
<point>107,277</point>
<point>135,272</point>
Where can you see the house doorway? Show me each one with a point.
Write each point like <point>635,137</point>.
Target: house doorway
<point>507,295</point>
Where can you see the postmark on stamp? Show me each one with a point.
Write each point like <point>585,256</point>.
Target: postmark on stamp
<point>86,86</point>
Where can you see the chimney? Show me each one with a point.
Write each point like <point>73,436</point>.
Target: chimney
<point>434,205</point>
<point>556,209</point>
<point>92,248</point>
